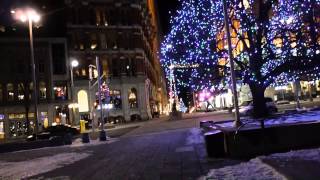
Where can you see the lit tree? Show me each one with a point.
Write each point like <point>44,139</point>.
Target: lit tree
<point>276,40</point>
<point>189,45</point>
<point>273,41</point>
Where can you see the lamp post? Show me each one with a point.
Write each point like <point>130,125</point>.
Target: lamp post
<point>30,15</point>
<point>102,132</point>
<point>74,63</point>
<point>237,122</point>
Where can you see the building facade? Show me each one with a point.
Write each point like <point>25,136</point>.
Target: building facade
<point>16,86</point>
<point>123,35</point>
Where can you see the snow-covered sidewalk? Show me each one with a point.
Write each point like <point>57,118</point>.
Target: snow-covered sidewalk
<point>28,168</point>
<point>260,168</point>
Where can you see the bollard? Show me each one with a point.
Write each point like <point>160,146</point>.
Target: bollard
<point>67,139</point>
<point>85,138</point>
<point>103,136</point>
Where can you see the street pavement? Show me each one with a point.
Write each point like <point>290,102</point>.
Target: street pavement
<point>157,149</point>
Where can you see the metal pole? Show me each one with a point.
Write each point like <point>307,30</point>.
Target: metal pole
<point>102,134</point>
<point>90,108</point>
<point>237,122</point>
<point>35,93</point>
<point>72,89</point>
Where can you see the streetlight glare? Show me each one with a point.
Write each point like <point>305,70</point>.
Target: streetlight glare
<point>74,63</point>
<point>25,14</point>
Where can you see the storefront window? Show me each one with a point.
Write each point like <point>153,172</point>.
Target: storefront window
<point>44,119</point>
<point>18,128</point>
<point>133,98</point>
<point>115,99</point>
<point>43,90</point>
<point>2,130</point>
<point>10,91</point>
<point>2,133</point>
<point>60,92</point>
<point>61,115</point>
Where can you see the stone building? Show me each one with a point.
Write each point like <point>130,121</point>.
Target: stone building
<point>123,34</point>
<point>16,87</point>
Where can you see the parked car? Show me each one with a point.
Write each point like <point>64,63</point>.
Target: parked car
<point>246,108</point>
<point>55,131</point>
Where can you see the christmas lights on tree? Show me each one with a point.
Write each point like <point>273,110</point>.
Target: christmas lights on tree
<point>273,42</point>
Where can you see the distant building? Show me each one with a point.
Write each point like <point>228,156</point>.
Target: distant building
<point>123,34</point>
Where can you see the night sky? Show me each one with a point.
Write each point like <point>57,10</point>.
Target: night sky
<point>164,7</point>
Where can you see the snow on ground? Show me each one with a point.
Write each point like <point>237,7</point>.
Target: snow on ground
<point>28,168</point>
<point>256,169</point>
<point>78,142</point>
<point>311,116</point>
<point>308,155</point>
<point>194,137</point>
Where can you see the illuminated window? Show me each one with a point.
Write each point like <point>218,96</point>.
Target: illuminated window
<point>10,92</point>
<point>1,130</point>
<point>43,90</point>
<point>115,99</point>
<point>83,72</point>
<point>21,92</point>
<point>83,101</point>
<point>132,96</point>
<point>60,92</point>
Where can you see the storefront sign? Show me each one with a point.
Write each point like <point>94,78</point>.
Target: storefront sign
<point>20,116</point>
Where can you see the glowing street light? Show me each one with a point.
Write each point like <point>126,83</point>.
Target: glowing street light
<point>30,15</point>
<point>74,63</point>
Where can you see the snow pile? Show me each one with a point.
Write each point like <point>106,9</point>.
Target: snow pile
<point>78,142</point>
<point>312,116</point>
<point>257,169</point>
<point>28,168</point>
<point>254,169</point>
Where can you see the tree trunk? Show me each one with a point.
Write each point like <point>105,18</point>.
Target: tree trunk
<point>259,104</point>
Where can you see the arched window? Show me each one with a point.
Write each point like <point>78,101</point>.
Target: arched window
<point>83,101</point>
<point>132,96</point>
<point>43,90</point>
<point>10,92</point>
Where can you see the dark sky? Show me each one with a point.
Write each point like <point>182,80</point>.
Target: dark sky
<point>164,7</point>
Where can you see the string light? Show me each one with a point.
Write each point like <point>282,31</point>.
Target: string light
<point>275,50</point>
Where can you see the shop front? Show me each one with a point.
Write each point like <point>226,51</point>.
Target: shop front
<point>2,130</point>
<point>18,125</point>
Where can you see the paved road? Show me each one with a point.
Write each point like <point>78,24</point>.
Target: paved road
<point>158,149</point>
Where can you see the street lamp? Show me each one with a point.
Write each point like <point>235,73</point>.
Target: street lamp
<point>74,63</point>
<point>30,15</point>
